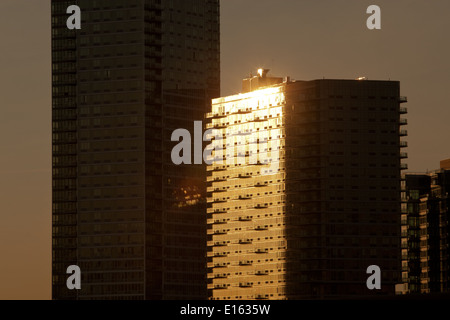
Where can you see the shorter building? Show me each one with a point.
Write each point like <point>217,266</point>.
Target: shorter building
<point>426,232</point>
<point>304,188</point>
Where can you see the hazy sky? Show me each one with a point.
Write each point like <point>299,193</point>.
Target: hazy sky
<point>305,39</point>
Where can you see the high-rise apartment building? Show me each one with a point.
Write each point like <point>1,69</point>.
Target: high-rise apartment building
<point>426,232</point>
<point>304,188</point>
<point>122,211</point>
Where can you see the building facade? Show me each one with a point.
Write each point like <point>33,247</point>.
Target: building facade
<point>122,211</point>
<point>426,232</point>
<point>304,189</point>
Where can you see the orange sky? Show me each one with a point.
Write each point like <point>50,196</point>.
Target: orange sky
<point>304,39</point>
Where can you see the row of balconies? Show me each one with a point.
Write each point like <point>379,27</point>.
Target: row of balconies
<point>242,263</point>
<point>225,254</point>
<point>225,243</point>
<point>222,125</point>
<point>225,264</point>
<point>225,275</point>
<point>225,231</point>
<point>224,199</point>
<point>222,286</point>
<point>403,144</point>
<point>217,189</point>
<point>224,221</point>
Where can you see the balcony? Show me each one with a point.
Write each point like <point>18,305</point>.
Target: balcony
<point>223,231</point>
<point>261,206</point>
<point>220,275</point>
<point>220,265</point>
<point>259,119</point>
<point>261,228</point>
<point>403,166</point>
<point>403,121</point>
<point>215,179</point>
<point>217,168</point>
<point>261,297</point>
<point>215,115</point>
<point>220,286</point>
<point>215,125</point>
<point>220,244</point>
<point>220,254</point>
<point>261,272</point>
<point>244,197</point>
<point>403,99</point>
<point>245,263</point>
<point>222,210</point>
<point>260,250</point>
<point>403,133</point>
<point>243,111</point>
<point>245,284</point>
<point>403,155</point>
<point>260,184</point>
<point>245,241</point>
<point>246,218</point>
<point>403,144</point>
<point>220,221</point>
<point>403,110</point>
<point>259,163</point>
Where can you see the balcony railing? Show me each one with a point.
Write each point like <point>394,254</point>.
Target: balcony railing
<point>220,254</point>
<point>261,206</point>
<point>243,111</point>
<point>212,210</point>
<point>402,99</point>
<point>220,221</point>
<point>215,115</point>
<point>261,272</point>
<point>220,286</point>
<point>220,231</point>
<point>220,265</point>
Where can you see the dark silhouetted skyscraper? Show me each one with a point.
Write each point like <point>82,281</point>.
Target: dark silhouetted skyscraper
<point>122,211</point>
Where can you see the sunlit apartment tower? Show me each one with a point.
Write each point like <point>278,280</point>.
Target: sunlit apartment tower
<point>122,211</point>
<point>309,196</point>
<point>426,232</point>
